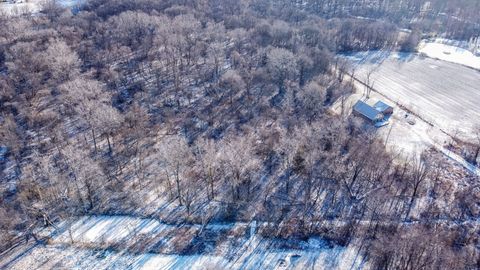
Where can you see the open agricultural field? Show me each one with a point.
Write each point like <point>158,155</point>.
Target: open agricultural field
<point>452,51</point>
<point>20,8</point>
<point>444,94</point>
<point>32,6</point>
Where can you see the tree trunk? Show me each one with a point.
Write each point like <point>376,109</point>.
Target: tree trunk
<point>109,144</point>
<point>79,193</point>
<point>70,234</point>
<point>410,205</point>
<point>169,184</point>
<point>179,194</point>
<point>89,194</point>
<point>477,153</point>
<point>212,194</point>
<point>94,140</point>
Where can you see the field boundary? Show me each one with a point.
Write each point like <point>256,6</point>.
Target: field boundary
<point>448,153</point>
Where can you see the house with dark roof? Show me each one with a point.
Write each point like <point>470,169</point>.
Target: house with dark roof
<point>367,112</point>
<point>383,108</point>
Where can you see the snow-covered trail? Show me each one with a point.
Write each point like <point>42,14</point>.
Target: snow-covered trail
<point>457,158</point>
<point>98,244</point>
<point>104,228</point>
<point>102,242</point>
<point>65,257</point>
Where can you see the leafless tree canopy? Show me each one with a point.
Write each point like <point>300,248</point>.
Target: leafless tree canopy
<point>221,107</point>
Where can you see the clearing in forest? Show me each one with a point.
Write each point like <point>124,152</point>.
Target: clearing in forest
<point>442,93</point>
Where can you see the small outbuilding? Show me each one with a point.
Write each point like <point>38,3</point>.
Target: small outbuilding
<point>384,108</point>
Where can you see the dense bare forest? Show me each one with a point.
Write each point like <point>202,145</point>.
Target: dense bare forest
<point>220,107</point>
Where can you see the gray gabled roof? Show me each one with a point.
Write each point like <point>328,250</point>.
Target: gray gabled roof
<point>366,110</point>
<point>381,106</point>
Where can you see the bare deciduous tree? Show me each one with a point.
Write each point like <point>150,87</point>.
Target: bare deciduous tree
<point>240,165</point>
<point>176,157</point>
<point>282,65</point>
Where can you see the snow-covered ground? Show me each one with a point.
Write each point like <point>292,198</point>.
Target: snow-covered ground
<point>91,233</point>
<point>401,137</point>
<point>115,229</point>
<point>107,229</point>
<point>67,257</point>
<point>33,6</point>
<point>260,257</point>
<point>20,8</point>
<point>407,135</point>
<point>443,93</point>
<point>449,51</point>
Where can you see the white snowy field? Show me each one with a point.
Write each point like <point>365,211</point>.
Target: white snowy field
<point>407,135</point>
<point>65,257</point>
<point>91,233</point>
<point>401,138</point>
<point>449,51</point>
<point>20,8</point>
<point>117,229</point>
<point>33,6</point>
<point>444,94</point>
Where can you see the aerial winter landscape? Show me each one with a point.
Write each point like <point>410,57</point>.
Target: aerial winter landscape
<point>240,134</point>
